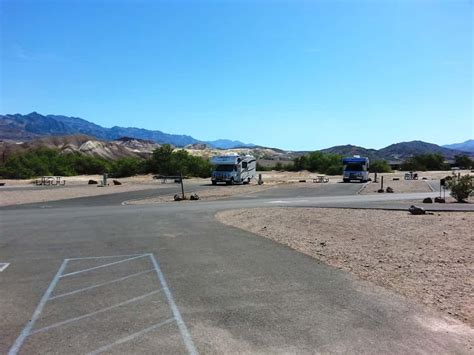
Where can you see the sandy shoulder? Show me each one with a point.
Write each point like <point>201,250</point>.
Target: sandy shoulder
<point>427,258</point>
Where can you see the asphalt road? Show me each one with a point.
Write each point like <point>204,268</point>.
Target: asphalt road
<point>190,284</point>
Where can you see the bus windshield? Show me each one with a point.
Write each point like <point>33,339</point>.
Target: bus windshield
<point>224,168</point>
<point>354,167</point>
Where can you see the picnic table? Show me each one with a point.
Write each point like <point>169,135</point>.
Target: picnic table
<point>165,178</point>
<point>321,179</point>
<point>50,181</point>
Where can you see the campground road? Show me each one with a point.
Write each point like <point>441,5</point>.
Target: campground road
<point>192,284</point>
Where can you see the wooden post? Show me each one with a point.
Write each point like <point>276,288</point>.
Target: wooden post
<point>182,186</point>
<point>381,183</point>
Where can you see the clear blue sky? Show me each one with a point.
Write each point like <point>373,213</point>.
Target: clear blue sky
<point>296,75</point>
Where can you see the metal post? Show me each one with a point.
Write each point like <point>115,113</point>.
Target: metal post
<point>381,183</point>
<point>182,187</point>
<point>375,178</point>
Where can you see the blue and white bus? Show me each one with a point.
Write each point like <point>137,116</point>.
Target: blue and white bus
<point>355,168</point>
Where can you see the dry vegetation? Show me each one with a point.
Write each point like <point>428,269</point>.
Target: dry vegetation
<point>427,258</point>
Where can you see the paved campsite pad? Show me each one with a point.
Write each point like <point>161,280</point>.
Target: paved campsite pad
<point>84,309</point>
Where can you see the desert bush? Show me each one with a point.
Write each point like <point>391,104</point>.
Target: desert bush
<point>127,167</point>
<point>380,166</point>
<point>168,162</point>
<point>461,188</point>
<point>464,162</point>
<point>425,162</point>
<point>325,163</point>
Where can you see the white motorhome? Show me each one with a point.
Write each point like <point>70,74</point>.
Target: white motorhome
<point>233,169</point>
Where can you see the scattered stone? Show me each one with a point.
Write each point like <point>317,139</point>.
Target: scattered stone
<point>428,200</point>
<point>92,182</point>
<point>116,182</point>
<point>415,210</point>
<point>389,190</point>
<point>440,200</point>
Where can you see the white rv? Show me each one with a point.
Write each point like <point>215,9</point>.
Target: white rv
<point>233,169</point>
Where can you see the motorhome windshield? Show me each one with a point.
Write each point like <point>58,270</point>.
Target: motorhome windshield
<point>224,168</point>
<point>354,167</point>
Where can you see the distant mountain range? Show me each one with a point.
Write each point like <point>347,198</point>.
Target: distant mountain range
<point>467,146</point>
<point>34,125</point>
<point>398,151</point>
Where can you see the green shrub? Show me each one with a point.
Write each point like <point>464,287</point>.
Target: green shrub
<point>325,163</point>
<point>461,188</point>
<point>380,166</point>
<point>425,162</point>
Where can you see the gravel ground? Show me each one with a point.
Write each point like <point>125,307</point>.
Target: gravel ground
<point>211,194</point>
<point>427,258</point>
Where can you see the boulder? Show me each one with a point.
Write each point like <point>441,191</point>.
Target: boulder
<point>389,190</point>
<point>415,210</point>
<point>116,182</point>
<point>428,200</point>
<point>440,200</point>
<point>92,182</point>
<point>194,197</point>
<point>380,191</point>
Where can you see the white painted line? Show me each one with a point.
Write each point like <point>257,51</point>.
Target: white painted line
<point>3,266</point>
<point>278,201</point>
<point>27,330</point>
<point>107,257</point>
<point>130,337</point>
<point>99,285</point>
<point>55,325</point>
<point>101,266</point>
<point>174,308</point>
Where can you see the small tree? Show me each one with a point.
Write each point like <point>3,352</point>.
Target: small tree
<point>464,162</point>
<point>380,166</point>
<point>461,188</point>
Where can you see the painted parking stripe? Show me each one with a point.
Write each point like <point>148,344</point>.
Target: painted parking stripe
<point>67,321</point>
<point>101,284</point>
<point>101,266</point>
<point>3,266</point>
<point>131,337</point>
<point>27,330</point>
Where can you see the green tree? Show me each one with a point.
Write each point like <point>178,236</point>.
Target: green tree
<point>464,162</point>
<point>461,188</point>
<point>380,166</point>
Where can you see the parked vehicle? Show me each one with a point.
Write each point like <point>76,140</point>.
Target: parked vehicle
<point>355,168</point>
<point>233,169</point>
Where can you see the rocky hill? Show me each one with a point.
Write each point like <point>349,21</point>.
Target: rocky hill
<point>124,147</point>
<point>34,125</point>
<point>467,146</point>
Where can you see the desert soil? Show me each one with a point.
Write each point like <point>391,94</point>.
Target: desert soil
<point>427,258</point>
<point>76,186</point>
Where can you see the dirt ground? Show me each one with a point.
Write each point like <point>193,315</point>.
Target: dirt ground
<point>76,186</point>
<point>406,186</point>
<point>427,258</point>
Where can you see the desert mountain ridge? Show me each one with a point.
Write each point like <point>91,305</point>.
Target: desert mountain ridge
<point>34,125</point>
<point>78,135</point>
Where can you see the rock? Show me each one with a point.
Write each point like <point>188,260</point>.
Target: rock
<point>302,180</point>
<point>380,191</point>
<point>177,197</point>
<point>194,197</point>
<point>116,182</point>
<point>92,182</point>
<point>415,210</point>
<point>439,200</point>
<point>389,190</point>
<point>396,179</point>
<point>428,200</point>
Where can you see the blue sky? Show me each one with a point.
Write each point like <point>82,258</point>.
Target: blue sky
<point>295,75</point>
